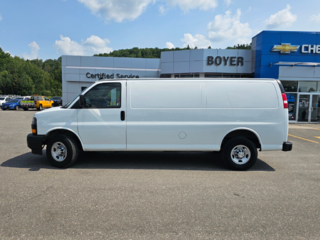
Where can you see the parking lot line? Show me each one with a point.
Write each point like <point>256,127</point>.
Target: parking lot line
<point>317,137</point>
<point>302,138</point>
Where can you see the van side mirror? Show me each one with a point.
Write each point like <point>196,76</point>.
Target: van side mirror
<point>82,101</point>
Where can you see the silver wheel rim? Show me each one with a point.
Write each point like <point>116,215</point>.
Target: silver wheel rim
<point>240,154</point>
<point>59,151</point>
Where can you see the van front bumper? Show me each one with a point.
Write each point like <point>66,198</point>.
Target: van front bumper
<point>287,146</point>
<point>35,143</point>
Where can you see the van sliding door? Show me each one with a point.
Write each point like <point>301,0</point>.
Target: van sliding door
<point>167,115</point>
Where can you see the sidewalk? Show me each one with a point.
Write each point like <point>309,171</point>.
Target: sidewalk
<point>304,126</point>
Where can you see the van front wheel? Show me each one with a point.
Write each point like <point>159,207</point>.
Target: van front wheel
<point>239,153</point>
<point>62,151</point>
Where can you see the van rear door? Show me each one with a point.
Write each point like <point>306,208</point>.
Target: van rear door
<point>102,122</point>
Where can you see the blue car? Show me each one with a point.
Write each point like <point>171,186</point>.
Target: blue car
<point>13,104</point>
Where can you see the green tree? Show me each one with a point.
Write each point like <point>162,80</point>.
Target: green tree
<point>138,52</point>
<point>241,46</point>
<point>20,76</point>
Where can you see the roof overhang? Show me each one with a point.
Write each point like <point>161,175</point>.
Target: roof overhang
<point>292,64</point>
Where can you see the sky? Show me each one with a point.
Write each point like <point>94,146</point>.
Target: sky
<point>47,29</point>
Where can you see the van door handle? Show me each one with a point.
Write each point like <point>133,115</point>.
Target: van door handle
<point>122,116</point>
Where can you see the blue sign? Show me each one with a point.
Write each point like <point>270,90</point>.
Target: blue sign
<point>291,98</point>
<point>270,47</point>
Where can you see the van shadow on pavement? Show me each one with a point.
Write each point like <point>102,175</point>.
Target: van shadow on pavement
<point>194,161</point>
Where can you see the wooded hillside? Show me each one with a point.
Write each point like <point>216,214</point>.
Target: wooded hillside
<point>21,77</point>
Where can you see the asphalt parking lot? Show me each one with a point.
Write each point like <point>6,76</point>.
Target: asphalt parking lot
<point>159,195</point>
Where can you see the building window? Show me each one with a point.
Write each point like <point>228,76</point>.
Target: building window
<point>165,76</point>
<point>290,86</point>
<point>228,75</point>
<point>231,76</point>
<point>307,86</point>
<point>292,102</point>
<point>186,76</point>
<point>212,76</point>
<point>304,102</point>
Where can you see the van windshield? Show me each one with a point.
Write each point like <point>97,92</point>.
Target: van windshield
<point>68,104</point>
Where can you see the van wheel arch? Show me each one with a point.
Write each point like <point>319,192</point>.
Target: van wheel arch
<point>250,135</point>
<point>63,132</point>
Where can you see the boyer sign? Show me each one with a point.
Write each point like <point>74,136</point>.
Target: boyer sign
<point>225,61</point>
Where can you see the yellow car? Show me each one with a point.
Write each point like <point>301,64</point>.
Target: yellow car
<point>38,102</point>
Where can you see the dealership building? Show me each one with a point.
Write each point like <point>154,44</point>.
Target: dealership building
<point>291,57</point>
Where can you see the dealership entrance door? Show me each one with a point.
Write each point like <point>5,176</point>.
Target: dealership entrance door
<point>308,109</point>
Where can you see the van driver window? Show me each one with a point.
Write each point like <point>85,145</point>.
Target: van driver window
<point>106,95</point>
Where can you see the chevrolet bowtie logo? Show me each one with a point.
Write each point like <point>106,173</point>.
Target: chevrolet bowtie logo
<point>285,48</point>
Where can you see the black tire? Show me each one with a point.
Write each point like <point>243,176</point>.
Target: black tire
<point>72,152</point>
<point>3,109</point>
<point>25,109</point>
<point>231,145</point>
<point>40,108</point>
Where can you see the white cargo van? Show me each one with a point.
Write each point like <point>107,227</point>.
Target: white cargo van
<point>234,116</point>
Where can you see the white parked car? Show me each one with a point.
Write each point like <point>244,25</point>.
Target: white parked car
<point>234,116</point>
<point>23,98</point>
<point>4,100</point>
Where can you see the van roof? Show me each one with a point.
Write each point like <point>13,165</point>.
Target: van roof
<point>184,79</point>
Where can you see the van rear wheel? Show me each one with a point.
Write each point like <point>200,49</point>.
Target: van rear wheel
<point>239,153</point>
<point>62,151</point>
